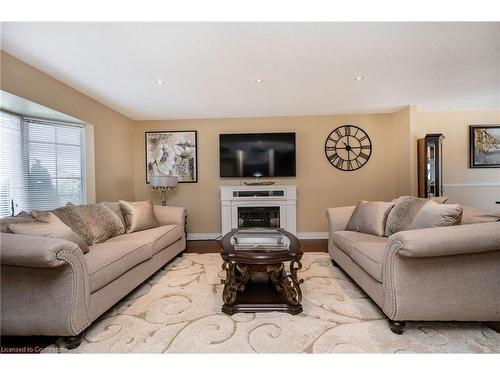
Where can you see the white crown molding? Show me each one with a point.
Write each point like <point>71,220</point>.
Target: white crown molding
<point>300,236</point>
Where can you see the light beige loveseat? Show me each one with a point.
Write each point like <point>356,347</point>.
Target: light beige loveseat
<point>435,274</point>
<point>49,287</point>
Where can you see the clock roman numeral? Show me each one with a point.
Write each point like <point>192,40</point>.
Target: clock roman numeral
<point>363,155</point>
<point>347,130</point>
<point>358,164</point>
<point>330,148</point>
<point>362,139</point>
<point>333,157</point>
<point>349,165</point>
<point>366,147</point>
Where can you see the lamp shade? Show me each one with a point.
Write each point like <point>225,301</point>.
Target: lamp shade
<point>163,181</point>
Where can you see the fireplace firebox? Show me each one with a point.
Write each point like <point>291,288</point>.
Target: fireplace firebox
<point>268,217</point>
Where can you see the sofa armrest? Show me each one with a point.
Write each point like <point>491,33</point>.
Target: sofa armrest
<point>31,251</point>
<point>45,286</point>
<point>338,217</point>
<point>454,240</point>
<point>166,215</point>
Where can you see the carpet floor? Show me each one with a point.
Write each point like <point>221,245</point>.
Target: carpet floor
<point>178,310</point>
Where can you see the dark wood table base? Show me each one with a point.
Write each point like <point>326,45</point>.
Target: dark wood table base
<point>261,288</point>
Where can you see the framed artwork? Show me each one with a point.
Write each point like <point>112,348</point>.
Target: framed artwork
<point>484,144</point>
<point>172,153</point>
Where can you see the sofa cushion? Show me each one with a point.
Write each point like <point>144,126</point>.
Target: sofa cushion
<point>159,237</point>
<point>138,215</point>
<point>109,260</point>
<point>433,214</point>
<point>370,217</point>
<point>366,250</point>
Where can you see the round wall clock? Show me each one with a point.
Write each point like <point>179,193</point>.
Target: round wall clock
<point>348,148</point>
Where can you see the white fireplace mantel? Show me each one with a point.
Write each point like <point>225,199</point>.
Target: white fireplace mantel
<point>282,196</point>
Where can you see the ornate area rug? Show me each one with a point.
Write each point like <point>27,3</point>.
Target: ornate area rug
<point>178,310</point>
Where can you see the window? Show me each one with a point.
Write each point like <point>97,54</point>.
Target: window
<point>42,164</point>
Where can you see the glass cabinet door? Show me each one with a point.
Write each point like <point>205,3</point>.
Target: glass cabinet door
<point>431,168</point>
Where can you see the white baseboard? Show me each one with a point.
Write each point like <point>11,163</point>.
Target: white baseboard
<point>203,236</point>
<point>312,235</point>
<point>301,236</point>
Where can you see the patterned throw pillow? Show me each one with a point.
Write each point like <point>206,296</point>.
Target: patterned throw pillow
<point>404,211</point>
<point>138,215</point>
<point>101,223</point>
<point>46,224</point>
<point>71,216</point>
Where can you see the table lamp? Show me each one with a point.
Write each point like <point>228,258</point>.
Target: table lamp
<point>163,184</point>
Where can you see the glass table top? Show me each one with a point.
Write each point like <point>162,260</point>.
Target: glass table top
<point>255,239</point>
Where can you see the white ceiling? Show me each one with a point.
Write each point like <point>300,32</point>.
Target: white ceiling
<point>210,69</point>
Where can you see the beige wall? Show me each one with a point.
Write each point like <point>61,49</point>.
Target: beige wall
<point>391,171</point>
<point>320,185</point>
<point>402,151</point>
<point>113,132</point>
<point>472,187</point>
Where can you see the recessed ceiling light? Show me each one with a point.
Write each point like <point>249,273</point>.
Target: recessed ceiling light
<point>359,78</point>
<point>160,82</point>
<point>259,80</point>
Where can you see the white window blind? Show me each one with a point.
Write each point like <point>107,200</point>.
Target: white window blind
<point>11,177</point>
<point>53,164</point>
<point>43,164</point>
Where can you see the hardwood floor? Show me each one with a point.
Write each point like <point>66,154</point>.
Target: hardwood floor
<point>212,246</point>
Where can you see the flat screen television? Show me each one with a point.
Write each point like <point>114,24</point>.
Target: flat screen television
<point>257,155</point>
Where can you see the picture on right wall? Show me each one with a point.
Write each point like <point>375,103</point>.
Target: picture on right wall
<point>484,146</point>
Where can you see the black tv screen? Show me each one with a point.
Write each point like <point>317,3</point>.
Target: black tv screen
<point>257,155</point>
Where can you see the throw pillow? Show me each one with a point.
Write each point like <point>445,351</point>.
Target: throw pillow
<point>138,215</point>
<point>100,221</point>
<point>46,224</point>
<point>404,211</point>
<point>22,217</point>
<point>115,207</point>
<point>433,214</point>
<point>72,217</point>
<point>370,217</point>
<point>475,215</point>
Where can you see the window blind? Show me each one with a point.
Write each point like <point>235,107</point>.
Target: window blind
<point>11,178</point>
<point>42,164</point>
<point>53,164</point>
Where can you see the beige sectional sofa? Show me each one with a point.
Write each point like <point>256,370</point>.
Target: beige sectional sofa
<point>49,287</point>
<point>433,274</point>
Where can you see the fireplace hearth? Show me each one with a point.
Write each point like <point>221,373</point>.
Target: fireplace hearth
<point>268,217</point>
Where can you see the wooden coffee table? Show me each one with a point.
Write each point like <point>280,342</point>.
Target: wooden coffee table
<point>257,279</point>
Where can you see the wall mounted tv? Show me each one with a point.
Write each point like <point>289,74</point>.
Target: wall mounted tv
<point>257,155</point>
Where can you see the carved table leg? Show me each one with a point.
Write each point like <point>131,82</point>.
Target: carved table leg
<point>236,278</point>
<point>289,285</point>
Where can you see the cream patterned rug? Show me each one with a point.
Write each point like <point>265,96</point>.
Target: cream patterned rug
<point>178,310</point>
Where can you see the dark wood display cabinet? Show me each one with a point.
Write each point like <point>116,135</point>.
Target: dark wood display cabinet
<point>430,166</point>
